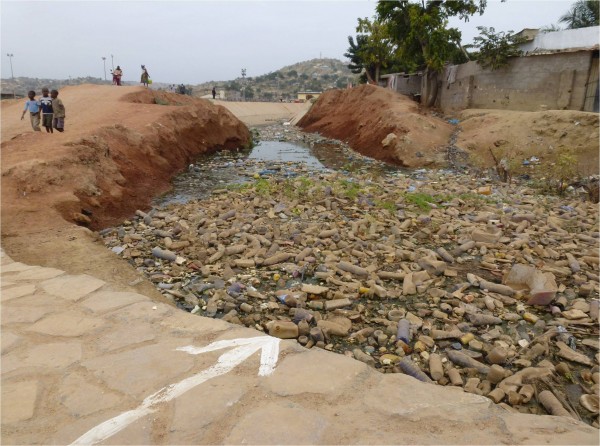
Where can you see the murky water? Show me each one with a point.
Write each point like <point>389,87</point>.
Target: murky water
<point>219,170</point>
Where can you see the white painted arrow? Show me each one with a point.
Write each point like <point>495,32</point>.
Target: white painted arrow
<point>245,347</point>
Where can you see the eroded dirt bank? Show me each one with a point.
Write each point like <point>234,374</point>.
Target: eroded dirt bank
<point>120,148</point>
<point>365,116</point>
<point>391,127</point>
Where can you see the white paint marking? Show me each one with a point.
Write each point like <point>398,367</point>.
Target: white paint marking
<point>245,347</point>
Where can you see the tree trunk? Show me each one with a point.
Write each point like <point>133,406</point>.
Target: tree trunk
<point>377,74</point>
<point>429,87</point>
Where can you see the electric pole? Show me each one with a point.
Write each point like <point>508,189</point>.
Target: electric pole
<point>104,62</point>
<point>10,56</point>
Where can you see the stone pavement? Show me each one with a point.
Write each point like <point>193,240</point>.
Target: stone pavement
<point>84,362</point>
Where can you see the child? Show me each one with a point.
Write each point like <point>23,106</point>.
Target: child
<point>34,111</point>
<point>47,112</point>
<point>59,111</point>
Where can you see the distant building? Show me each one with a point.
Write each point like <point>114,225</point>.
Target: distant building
<point>306,95</point>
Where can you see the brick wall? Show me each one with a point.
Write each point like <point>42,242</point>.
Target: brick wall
<point>552,81</point>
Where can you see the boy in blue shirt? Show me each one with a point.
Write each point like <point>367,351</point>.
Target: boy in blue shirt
<point>34,111</point>
<point>47,111</point>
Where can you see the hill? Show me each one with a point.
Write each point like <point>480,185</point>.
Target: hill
<point>285,83</point>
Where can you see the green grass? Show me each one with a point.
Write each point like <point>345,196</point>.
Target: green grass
<point>387,205</point>
<point>421,200</point>
<point>350,189</point>
<point>263,187</point>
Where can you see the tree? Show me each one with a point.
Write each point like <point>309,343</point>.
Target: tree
<point>354,54</point>
<point>292,73</point>
<point>420,30</point>
<point>583,13</point>
<point>496,48</point>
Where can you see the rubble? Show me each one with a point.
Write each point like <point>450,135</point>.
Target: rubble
<point>423,273</point>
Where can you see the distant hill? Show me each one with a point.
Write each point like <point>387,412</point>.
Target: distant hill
<point>21,85</point>
<point>285,83</point>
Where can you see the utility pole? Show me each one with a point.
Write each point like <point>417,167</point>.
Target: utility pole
<point>112,62</point>
<point>243,84</point>
<point>104,62</point>
<point>10,56</point>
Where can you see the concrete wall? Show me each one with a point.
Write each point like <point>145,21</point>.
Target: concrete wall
<point>555,81</point>
<point>406,84</point>
<point>563,40</point>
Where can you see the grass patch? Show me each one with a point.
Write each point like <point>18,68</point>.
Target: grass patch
<point>387,205</point>
<point>349,189</point>
<point>421,200</point>
<point>263,187</point>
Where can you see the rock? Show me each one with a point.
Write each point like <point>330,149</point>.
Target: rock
<point>389,140</point>
<point>337,303</point>
<point>496,395</point>
<point>455,377</point>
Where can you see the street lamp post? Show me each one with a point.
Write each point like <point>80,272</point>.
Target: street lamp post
<point>112,62</point>
<point>10,56</point>
<point>104,62</point>
<point>243,84</point>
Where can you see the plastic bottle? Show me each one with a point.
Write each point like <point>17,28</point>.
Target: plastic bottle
<point>403,333</point>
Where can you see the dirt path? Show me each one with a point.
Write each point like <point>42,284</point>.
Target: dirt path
<point>120,148</point>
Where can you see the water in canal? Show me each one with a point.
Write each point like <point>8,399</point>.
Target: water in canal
<point>288,159</point>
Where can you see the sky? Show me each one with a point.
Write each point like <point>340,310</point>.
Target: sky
<point>197,41</point>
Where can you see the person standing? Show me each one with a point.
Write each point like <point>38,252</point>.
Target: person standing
<point>117,75</point>
<point>145,76</point>
<point>47,110</point>
<point>214,92</point>
<point>33,106</point>
<point>59,112</point>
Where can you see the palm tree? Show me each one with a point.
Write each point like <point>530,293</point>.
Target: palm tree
<point>583,13</point>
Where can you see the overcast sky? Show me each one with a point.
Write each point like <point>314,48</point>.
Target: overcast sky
<point>196,41</point>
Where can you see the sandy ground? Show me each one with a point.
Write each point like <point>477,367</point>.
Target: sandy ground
<point>366,116</point>
<point>120,148</point>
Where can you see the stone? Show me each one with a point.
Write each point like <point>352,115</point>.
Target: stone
<point>18,400</point>
<point>102,301</point>
<point>497,355</point>
<point>16,292</point>
<point>70,324</point>
<point>72,287</point>
<point>363,357</point>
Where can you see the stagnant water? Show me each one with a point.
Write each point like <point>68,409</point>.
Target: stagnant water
<point>219,170</point>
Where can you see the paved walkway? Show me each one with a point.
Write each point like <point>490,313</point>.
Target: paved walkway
<point>85,363</point>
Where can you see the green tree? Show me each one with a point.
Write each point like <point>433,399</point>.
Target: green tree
<point>420,30</point>
<point>354,54</point>
<point>292,73</point>
<point>496,48</point>
<point>379,49</point>
<point>583,13</point>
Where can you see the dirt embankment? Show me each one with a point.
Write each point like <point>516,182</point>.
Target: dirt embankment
<point>390,127</point>
<point>120,148</point>
<point>381,124</point>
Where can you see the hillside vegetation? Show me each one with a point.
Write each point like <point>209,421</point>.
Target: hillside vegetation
<point>285,83</point>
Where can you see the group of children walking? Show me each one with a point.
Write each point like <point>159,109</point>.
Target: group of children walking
<point>51,109</point>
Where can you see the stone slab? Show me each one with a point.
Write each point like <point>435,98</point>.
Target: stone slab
<point>49,357</point>
<point>37,274</point>
<point>213,400</point>
<point>72,287</point>
<point>8,340</point>
<point>142,371</point>
<point>16,267</point>
<point>126,336</point>
<point>102,301</point>
<point>7,284</point>
<point>82,398</point>
<point>18,400</point>
<point>280,422</point>
<point>22,315</point>
<point>314,371</point>
<point>16,292</point>
<point>71,323</point>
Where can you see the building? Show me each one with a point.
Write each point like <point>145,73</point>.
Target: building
<point>306,95</point>
<point>558,71</point>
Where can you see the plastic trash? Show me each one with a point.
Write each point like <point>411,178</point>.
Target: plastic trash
<point>411,369</point>
<point>403,333</point>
